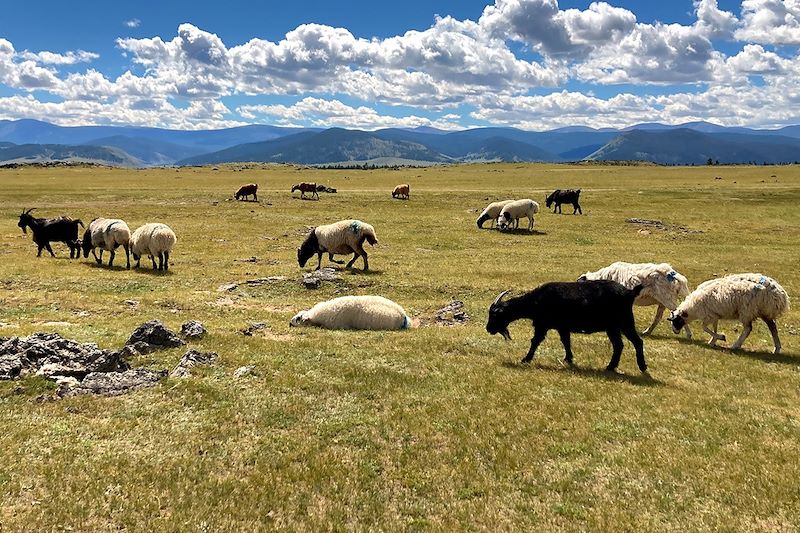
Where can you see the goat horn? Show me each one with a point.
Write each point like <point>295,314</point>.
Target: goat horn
<point>28,212</point>
<point>497,300</point>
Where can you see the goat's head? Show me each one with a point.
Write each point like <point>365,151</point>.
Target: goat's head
<point>678,320</point>
<point>307,250</point>
<point>499,317</point>
<point>25,219</point>
<point>296,187</point>
<point>86,242</point>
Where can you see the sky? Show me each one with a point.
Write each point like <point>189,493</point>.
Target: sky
<point>450,64</point>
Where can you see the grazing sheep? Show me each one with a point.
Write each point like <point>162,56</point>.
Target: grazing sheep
<point>107,234</point>
<point>354,312</point>
<point>305,187</point>
<point>154,240</point>
<point>47,230</point>
<point>662,285</point>
<point>491,212</point>
<point>513,211</point>
<point>402,191</point>
<point>742,297</point>
<point>569,196</point>
<point>343,237</point>
<point>246,190</point>
<point>576,307</point>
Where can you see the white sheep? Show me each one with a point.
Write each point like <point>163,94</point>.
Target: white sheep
<point>107,234</point>
<point>355,312</point>
<point>155,240</point>
<point>491,212</point>
<point>343,237</point>
<point>513,211</point>
<point>663,285</point>
<point>743,297</point>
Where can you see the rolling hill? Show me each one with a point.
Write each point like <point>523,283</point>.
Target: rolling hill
<point>42,153</point>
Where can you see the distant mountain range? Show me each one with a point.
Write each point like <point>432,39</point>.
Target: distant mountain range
<point>691,143</point>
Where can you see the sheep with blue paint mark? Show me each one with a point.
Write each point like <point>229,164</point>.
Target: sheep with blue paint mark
<point>513,211</point>
<point>663,285</point>
<point>491,212</point>
<point>339,238</point>
<point>742,297</point>
<point>355,312</point>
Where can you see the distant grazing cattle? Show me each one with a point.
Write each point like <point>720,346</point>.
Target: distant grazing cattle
<point>568,196</point>
<point>247,190</point>
<point>402,191</point>
<point>305,187</point>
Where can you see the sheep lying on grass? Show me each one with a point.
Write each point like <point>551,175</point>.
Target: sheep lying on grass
<point>742,297</point>
<point>662,285</point>
<point>491,212</point>
<point>513,211</point>
<point>343,237</point>
<point>107,234</point>
<point>355,312</point>
<point>154,240</point>
<point>577,307</point>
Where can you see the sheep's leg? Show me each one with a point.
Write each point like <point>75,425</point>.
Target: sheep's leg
<point>47,245</point>
<point>530,224</point>
<point>332,260</point>
<point>538,336</point>
<point>745,333</point>
<point>166,261</point>
<point>638,345</point>
<point>127,254</point>
<point>714,336</point>
<point>99,260</point>
<point>656,320</point>
<point>319,260</point>
<point>161,261</point>
<point>111,261</point>
<point>616,342</point>
<point>565,340</point>
<point>773,329</point>
<point>688,332</point>
<point>152,259</point>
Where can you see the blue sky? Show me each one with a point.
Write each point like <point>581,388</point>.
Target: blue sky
<point>533,64</point>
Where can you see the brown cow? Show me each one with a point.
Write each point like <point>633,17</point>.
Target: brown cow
<point>402,191</point>
<point>246,190</point>
<point>305,187</point>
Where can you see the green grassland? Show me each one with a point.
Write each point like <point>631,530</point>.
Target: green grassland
<point>437,428</point>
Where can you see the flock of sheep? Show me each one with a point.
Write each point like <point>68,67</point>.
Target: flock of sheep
<point>597,301</point>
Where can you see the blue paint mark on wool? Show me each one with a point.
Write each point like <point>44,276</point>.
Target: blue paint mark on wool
<point>406,322</point>
<point>763,280</point>
<point>355,227</point>
<point>672,276</point>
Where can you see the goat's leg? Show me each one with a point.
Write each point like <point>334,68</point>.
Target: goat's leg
<point>255,197</point>
<point>565,340</point>
<point>773,329</point>
<point>616,342</point>
<point>538,336</point>
<point>580,211</point>
<point>638,345</point>
<point>656,320</point>
<point>47,246</point>
<point>745,333</point>
<point>39,253</point>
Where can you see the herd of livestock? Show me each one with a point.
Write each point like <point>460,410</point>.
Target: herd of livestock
<point>600,301</point>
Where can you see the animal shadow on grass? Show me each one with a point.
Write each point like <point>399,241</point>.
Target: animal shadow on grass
<point>641,380</point>
<point>358,271</point>
<point>309,198</point>
<point>761,355</point>
<point>523,231</point>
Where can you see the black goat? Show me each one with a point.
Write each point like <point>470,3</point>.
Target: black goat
<point>569,196</point>
<point>573,307</point>
<point>47,230</point>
